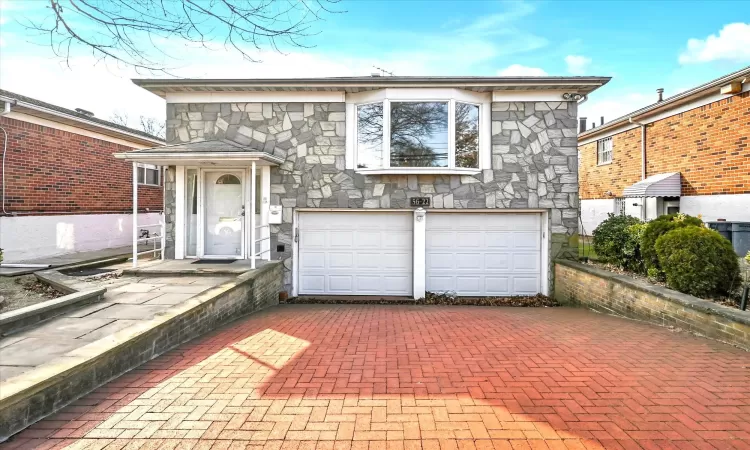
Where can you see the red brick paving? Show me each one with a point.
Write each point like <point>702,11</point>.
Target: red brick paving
<point>406,378</point>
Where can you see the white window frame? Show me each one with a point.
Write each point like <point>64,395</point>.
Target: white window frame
<point>602,150</point>
<point>146,167</point>
<point>416,95</point>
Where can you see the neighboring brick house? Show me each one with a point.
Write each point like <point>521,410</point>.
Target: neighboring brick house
<point>695,159</point>
<point>62,190</point>
<point>376,185</point>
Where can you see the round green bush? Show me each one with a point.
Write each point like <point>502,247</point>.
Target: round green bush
<point>698,261</point>
<point>657,228</point>
<point>614,242</point>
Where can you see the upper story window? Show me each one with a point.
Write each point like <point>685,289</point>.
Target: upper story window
<point>604,151</point>
<point>402,131</point>
<point>149,175</point>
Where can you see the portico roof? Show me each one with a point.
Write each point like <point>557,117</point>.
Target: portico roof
<point>661,185</point>
<point>222,151</point>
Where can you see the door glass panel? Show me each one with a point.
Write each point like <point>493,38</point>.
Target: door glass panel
<point>191,212</point>
<point>223,204</point>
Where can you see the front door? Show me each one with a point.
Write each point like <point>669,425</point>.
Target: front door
<point>223,202</point>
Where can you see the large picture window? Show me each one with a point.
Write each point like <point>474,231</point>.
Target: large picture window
<point>441,134</point>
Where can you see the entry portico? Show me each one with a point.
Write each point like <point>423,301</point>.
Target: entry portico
<point>216,183</point>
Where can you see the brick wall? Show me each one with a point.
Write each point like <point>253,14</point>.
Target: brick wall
<point>708,145</point>
<point>49,170</point>
<point>600,290</point>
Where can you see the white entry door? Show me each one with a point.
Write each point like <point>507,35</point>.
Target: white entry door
<point>355,253</point>
<point>474,254</point>
<point>223,204</point>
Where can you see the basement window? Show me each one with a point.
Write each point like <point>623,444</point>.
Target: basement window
<point>149,175</point>
<point>604,151</point>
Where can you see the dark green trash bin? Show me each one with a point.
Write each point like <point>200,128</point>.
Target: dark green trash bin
<point>724,228</point>
<point>741,237</point>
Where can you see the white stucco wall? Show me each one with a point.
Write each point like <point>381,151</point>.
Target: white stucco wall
<point>711,207</point>
<point>594,212</point>
<point>27,237</point>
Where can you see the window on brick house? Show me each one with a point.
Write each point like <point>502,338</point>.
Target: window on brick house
<point>149,175</point>
<point>604,151</point>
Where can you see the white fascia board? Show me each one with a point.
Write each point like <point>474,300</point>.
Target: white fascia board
<point>212,156</point>
<point>256,97</point>
<point>648,117</point>
<point>530,96</point>
<point>409,94</point>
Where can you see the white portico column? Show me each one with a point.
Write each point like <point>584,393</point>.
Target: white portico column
<point>418,248</point>
<point>253,174</point>
<point>135,215</point>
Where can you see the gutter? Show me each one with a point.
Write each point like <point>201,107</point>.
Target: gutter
<point>643,161</point>
<point>53,112</point>
<point>6,110</point>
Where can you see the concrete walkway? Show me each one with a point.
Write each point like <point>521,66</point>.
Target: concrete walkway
<point>127,300</point>
<point>342,377</point>
<point>67,260</point>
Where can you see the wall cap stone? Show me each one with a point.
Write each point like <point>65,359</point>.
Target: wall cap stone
<point>698,304</point>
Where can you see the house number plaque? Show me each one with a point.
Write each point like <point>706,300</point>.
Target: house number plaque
<point>419,201</point>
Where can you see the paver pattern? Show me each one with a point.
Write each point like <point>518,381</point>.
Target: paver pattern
<point>340,377</point>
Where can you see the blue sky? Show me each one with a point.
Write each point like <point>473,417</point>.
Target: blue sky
<point>642,45</point>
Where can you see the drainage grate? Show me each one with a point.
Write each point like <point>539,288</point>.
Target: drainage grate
<point>214,261</point>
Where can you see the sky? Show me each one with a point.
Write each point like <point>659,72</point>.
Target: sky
<point>642,45</point>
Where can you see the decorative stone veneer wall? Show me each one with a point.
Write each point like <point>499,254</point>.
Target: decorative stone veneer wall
<point>534,163</point>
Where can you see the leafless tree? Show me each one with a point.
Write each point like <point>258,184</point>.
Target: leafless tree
<point>467,135</point>
<point>129,31</point>
<point>150,125</point>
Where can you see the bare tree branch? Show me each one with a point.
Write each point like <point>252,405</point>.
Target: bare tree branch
<point>124,31</point>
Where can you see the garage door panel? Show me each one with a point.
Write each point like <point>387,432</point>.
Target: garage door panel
<point>355,253</point>
<point>466,239</point>
<point>526,262</point>
<point>340,283</point>
<point>340,260</point>
<point>312,239</point>
<point>313,260</point>
<point>439,261</point>
<point>496,261</point>
<point>494,239</point>
<point>468,261</point>
<point>483,253</point>
<point>523,285</point>
<point>495,285</point>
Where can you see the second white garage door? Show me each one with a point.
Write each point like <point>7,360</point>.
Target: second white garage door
<point>483,254</point>
<point>355,253</point>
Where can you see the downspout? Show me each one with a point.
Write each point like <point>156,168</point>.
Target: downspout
<point>5,111</point>
<point>643,161</point>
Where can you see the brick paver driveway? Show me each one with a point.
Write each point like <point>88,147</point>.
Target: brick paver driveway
<point>402,377</point>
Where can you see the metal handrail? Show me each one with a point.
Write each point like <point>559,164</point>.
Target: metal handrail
<point>148,238</point>
<point>149,225</point>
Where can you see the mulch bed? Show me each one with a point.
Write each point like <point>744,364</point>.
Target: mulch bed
<point>443,299</point>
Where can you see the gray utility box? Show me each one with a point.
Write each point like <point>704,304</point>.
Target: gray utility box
<point>738,233</point>
<point>741,237</point>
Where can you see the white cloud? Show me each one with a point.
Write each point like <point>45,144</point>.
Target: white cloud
<point>517,70</point>
<point>577,64</point>
<point>732,44</point>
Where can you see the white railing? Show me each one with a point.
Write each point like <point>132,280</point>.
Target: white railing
<point>137,239</point>
<point>264,237</point>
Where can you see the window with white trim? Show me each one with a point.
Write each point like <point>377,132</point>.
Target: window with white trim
<point>419,131</point>
<point>149,175</point>
<point>604,151</point>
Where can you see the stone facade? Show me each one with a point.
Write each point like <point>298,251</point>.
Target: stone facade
<point>534,163</point>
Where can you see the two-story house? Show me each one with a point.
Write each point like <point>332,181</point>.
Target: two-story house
<point>376,185</point>
<point>687,153</point>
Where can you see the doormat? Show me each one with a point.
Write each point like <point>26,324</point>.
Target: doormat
<point>214,261</point>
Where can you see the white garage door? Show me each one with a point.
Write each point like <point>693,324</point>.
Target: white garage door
<point>484,254</point>
<point>355,253</point>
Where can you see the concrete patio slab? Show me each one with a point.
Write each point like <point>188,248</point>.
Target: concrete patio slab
<point>359,377</point>
<point>34,351</point>
<point>169,299</point>
<point>68,259</point>
<point>65,327</point>
<point>127,311</point>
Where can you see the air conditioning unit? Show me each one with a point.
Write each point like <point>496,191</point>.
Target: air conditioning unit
<point>671,206</point>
